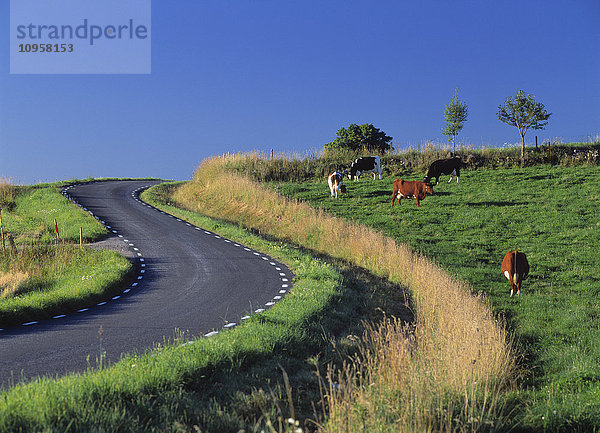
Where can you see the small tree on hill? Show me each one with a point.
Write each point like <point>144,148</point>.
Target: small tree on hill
<point>361,137</point>
<point>455,114</point>
<point>523,112</point>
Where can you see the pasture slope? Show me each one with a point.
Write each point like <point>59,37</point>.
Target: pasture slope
<point>552,213</point>
<point>460,377</point>
<point>450,365</point>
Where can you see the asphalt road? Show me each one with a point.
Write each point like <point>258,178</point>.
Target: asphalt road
<point>186,279</point>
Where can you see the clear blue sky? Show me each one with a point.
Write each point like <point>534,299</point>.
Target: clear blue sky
<point>231,76</point>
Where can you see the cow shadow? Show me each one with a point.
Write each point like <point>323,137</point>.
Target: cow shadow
<point>540,177</point>
<point>388,193</point>
<point>379,193</point>
<point>495,203</point>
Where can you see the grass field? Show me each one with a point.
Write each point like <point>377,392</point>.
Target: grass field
<point>550,213</point>
<point>235,381</point>
<point>31,219</point>
<point>231,382</point>
<point>434,375</point>
<point>45,278</point>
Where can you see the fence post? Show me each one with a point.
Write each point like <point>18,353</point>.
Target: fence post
<point>80,237</point>
<point>12,243</point>
<point>56,229</point>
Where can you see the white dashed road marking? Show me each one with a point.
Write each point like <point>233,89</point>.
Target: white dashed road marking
<point>142,264</point>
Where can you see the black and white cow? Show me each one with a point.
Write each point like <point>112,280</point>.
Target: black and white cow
<point>366,164</point>
<point>449,166</point>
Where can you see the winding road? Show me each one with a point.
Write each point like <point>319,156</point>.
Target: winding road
<point>187,279</point>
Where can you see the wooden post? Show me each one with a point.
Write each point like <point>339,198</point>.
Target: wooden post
<point>80,237</point>
<point>536,142</point>
<point>12,243</point>
<point>271,154</point>
<point>2,232</point>
<point>56,229</point>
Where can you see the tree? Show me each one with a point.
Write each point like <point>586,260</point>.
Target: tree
<point>361,137</point>
<point>523,112</point>
<point>455,115</point>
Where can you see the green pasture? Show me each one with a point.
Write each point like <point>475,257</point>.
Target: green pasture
<point>552,214</point>
<point>62,276</point>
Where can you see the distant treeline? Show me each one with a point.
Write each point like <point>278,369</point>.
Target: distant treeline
<point>277,168</point>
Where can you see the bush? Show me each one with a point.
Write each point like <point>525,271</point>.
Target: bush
<point>282,168</point>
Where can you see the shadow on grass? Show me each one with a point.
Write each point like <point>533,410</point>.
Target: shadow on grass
<point>495,203</point>
<point>240,392</point>
<point>379,193</point>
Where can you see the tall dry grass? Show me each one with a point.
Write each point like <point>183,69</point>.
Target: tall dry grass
<point>8,192</point>
<point>456,353</point>
<point>11,283</point>
<point>31,265</point>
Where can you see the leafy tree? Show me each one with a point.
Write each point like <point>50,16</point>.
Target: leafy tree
<point>361,137</point>
<point>455,115</point>
<point>523,112</point>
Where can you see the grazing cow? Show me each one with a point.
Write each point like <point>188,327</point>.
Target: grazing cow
<point>366,164</point>
<point>335,183</point>
<point>516,268</point>
<point>449,166</point>
<point>409,189</point>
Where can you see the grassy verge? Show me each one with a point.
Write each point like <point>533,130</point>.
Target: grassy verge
<point>57,280</point>
<point>231,381</point>
<point>460,357</point>
<point>550,213</point>
<point>44,278</point>
<point>31,218</point>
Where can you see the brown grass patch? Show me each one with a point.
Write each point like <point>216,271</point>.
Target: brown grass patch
<point>8,192</point>
<point>11,283</point>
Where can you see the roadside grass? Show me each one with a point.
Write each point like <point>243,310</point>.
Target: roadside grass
<point>44,278</point>
<point>59,279</point>
<point>31,220</point>
<point>229,382</point>
<point>550,213</point>
<point>460,356</point>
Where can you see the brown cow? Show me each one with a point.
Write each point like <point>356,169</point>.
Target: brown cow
<point>409,189</point>
<point>515,268</point>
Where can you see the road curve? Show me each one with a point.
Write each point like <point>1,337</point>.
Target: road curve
<point>187,279</point>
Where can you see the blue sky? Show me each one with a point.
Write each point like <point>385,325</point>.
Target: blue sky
<point>231,76</point>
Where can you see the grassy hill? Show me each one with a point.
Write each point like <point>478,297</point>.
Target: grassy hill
<point>235,381</point>
<point>552,213</point>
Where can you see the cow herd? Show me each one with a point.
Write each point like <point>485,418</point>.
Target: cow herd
<point>514,265</point>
